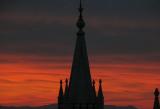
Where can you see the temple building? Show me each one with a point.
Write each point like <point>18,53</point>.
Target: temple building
<point>80,91</point>
<point>156,99</point>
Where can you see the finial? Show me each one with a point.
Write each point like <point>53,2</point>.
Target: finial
<point>80,6</point>
<point>60,90</point>
<point>156,93</point>
<point>80,22</point>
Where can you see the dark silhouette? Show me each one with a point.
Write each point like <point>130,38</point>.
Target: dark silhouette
<point>81,92</point>
<point>156,100</point>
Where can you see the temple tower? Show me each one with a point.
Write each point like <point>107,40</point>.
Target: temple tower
<point>80,91</point>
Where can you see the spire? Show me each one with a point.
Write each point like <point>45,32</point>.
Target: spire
<point>156,100</point>
<point>60,96</point>
<point>80,85</point>
<point>60,91</point>
<point>100,92</point>
<point>100,96</point>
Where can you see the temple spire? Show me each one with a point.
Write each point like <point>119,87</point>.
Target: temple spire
<point>80,85</point>
<point>60,96</point>
<point>100,96</point>
<point>100,92</point>
<point>80,93</point>
<point>60,90</point>
<point>156,100</point>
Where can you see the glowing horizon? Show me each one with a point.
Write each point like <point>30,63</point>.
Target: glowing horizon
<point>34,81</point>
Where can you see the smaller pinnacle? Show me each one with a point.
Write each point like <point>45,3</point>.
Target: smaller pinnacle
<point>61,90</point>
<point>156,93</point>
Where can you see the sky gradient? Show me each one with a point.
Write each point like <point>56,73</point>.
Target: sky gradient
<point>37,39</point>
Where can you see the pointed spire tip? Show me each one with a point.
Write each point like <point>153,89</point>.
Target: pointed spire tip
<point>80,7</point>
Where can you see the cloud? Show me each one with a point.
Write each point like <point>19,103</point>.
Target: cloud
<point>49,32</point>
<point>110,34</point>
<point>5,4</point>
<point>63,4</point>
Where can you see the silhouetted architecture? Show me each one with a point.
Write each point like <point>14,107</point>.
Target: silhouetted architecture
<point>80,92</point>
<point>156,100</point>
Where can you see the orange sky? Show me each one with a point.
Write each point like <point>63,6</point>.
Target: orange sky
<point>31,80</point>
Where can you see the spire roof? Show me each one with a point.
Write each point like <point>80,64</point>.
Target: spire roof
<point>60,90</point>
<point>80,85</point>
<point>100,92</point>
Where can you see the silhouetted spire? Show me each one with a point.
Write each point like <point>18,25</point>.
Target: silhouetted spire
<point>66,89</point>
<point>100,92</point>
<point>81,92</point>
<point>80,85</point>
<point>60,90</point>
<point>60,97</point>
<point>156,100</point>
<point>100,96</point>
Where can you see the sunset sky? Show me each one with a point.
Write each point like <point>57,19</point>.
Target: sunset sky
<point>37,40</point>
